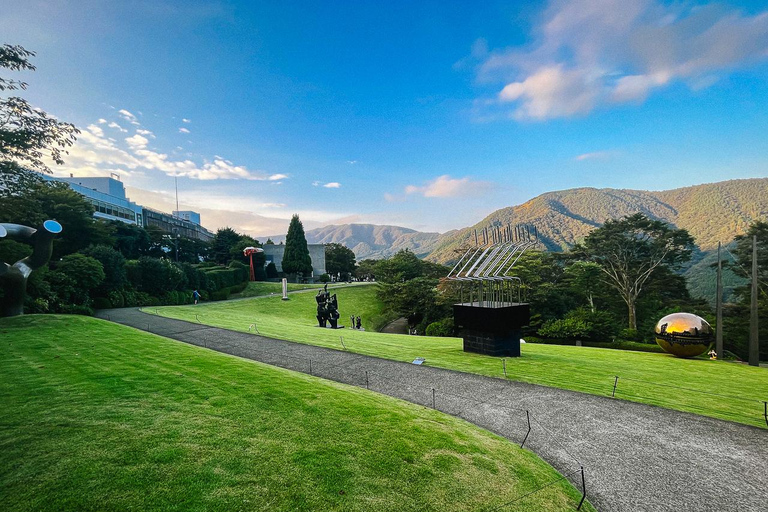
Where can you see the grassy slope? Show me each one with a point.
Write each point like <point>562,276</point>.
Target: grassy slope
<point>591,370</point>
<point>98,416</point>
<point>260,288</point>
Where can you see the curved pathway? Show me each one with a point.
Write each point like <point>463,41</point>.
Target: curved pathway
<point>636,457</point>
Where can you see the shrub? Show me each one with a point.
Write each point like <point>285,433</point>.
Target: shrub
<point>76,309</point>
<point>630,335</point>
<point>101,303</point>
<point>566,328</point>
<point>324,278</point>
<point>220,294</point>
<point>441,328</point>
<point>271,271</point>
<point>117,299</point>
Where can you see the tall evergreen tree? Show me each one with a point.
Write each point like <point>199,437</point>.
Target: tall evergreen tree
<point>296,256</point>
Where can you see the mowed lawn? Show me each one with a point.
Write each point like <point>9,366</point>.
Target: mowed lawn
<point>720,389</point>
<point>97,416</point>
<point>259,288</point>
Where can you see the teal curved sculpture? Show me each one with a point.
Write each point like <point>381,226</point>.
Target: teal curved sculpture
<point>13,277</point>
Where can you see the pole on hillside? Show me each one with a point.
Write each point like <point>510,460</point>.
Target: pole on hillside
<point>754,351</point>
<point>719,307</point>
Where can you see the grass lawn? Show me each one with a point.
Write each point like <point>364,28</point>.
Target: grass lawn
<point>260,288</point>
<point>643,377</point>
<point>98,416</point>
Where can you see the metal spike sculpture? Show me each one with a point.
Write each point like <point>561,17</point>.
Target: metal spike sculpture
<point>491,320</point>
<point>484,267</point>
<point>13,278</point>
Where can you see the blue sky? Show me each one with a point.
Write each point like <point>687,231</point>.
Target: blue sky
<point>427,115</point>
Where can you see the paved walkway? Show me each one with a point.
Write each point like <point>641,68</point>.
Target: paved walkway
<point>636,457</point>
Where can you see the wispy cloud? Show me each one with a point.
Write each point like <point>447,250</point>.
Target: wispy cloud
<point>445,186</point>
<point>352,162</point>
<point>128,117</point>
<point>332,184</point>
<point>183,130</point>
<point>185,120</point>
<point>595,155</point>
<point>148,133</point>
<point>117,127</point>
<point>587,55</point>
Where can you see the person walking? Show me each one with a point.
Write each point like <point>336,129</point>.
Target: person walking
<point>359,323</point>
<point>196,296</point>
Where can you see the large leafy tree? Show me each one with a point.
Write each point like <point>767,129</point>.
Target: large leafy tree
<point>339,259</point>
<point>630,250</point>
<point>223,243</point>
<point>296,256</point>
<point>28,136</point>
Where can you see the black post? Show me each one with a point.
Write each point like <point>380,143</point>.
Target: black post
<point>765,412</point>
<point>527,417</point>
<point>754,351</point>
<point>310,367</point>
<point>615,382</point>
<point>719,307</point>
<point>583,489</point>
<point>366,380</point>
<point>504,364</point>
<point>433,398</point>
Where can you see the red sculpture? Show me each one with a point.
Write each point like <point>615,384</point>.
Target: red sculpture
<point>250,251</point>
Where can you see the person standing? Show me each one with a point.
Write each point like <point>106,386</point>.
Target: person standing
<point>196,296</point>
<point>352,321</point>
<point>359,323</point>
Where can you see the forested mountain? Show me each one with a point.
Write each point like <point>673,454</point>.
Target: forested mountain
<point>710,212</point>
<point>372,241</point>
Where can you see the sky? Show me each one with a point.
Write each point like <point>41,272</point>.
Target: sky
<point>427,115</point>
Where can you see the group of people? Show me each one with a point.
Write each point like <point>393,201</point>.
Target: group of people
<point>355,322</point>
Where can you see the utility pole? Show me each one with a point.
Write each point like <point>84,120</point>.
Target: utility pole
<point>754,350</point>
<point>719,307</point>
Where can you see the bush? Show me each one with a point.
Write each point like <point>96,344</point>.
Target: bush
<point>117,299</point>
<point>220,294</point>
<point>566,328</point>
<point>630,335</point>
<point>441,328</point>
<point>76,309</point>
<point>101,303</point>
<point>271,271</point>
<point>324,278</point>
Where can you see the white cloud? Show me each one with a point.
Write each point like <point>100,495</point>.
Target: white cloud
<point>186,120</point>
<point>137,141</point>
<point>351,162</point>
<point>128,117</point>
<point>117,127</point>
<point>332,184</point>
<point>585,55</point>
<point>102,121</point>
<point>95,154</point>
<point>445,186</point>
<point>96,130</point>
<point>595,155</point>
<point>183,130</point>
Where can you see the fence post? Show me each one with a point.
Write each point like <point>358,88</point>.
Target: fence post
<point>528,417</point>
<point>366,380</point>
<point>765,412</point>
<point>615,383</point>
<point>433,398</point>
<point>310,367</point>
<point>583,489</point>
<point>504,365</point>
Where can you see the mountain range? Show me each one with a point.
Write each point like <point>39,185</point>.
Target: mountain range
<point>711,212</point>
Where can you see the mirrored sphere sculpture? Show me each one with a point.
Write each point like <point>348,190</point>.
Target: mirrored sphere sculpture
<point>684,334</point>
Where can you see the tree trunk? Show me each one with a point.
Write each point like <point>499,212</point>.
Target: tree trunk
<point>632,315</point>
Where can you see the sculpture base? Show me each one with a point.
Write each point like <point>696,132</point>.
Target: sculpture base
<point>491,328</point>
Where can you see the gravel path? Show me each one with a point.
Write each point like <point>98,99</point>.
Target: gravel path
<point>636,457</point>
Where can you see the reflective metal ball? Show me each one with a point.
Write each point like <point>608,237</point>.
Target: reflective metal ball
<point>684,334</point>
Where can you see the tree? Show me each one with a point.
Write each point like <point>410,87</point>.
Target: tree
<point>630,250</point>
<point>113,263</point>
<point>296,256</point>
<point>131,240</point>
<point>223,242</point>
<point>339,259</point>
<point>366,269</point>
<point>271,270</point>
<point>28,135</point>
<point>83,274</point>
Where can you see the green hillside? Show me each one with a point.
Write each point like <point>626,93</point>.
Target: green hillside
<point>712,212</point>
<point>97,416</point>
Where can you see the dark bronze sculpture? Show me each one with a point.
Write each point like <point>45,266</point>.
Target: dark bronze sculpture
<point>13,278</point>
<point>327,309</point>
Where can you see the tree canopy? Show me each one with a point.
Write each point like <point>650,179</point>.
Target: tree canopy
<point>28,136</point>
<point>630,250</point>
<point>339,259</point>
